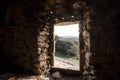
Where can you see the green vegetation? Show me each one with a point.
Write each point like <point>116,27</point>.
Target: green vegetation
<point>67,47</point>
<point>64,56</point>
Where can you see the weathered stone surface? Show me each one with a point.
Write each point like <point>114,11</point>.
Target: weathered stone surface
<point>11,76</point>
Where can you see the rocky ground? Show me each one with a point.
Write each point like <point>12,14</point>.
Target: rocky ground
<point>55,76</point>
<point>11,76</point>
<point>66,64</point>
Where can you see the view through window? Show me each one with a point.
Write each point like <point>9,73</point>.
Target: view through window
<point>66,43</point>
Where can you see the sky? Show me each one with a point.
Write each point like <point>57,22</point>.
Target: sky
<point>67,30</point>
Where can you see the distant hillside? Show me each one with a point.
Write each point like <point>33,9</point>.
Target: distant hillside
<point>68,38</point>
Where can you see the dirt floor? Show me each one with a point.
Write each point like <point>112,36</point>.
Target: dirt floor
<point>57,75</point>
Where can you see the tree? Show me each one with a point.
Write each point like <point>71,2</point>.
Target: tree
<point>69,48</point>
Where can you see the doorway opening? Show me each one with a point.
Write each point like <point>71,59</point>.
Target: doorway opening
<point>66,45</point>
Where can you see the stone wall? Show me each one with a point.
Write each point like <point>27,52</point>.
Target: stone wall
<point>104,39</point>
<point>24,37</point>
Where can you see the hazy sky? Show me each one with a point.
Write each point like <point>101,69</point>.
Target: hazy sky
<point>67,30</point>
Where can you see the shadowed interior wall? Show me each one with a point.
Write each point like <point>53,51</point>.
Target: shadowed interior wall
<point>20,36</point>
<point>105,38</point>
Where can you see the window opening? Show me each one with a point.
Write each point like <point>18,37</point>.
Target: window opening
<point>66,45</point>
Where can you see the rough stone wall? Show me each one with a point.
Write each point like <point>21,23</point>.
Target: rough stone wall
<point>104,39</point>
<point>89,69</point>
<point>25,37</point>
<point>18,42</point>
